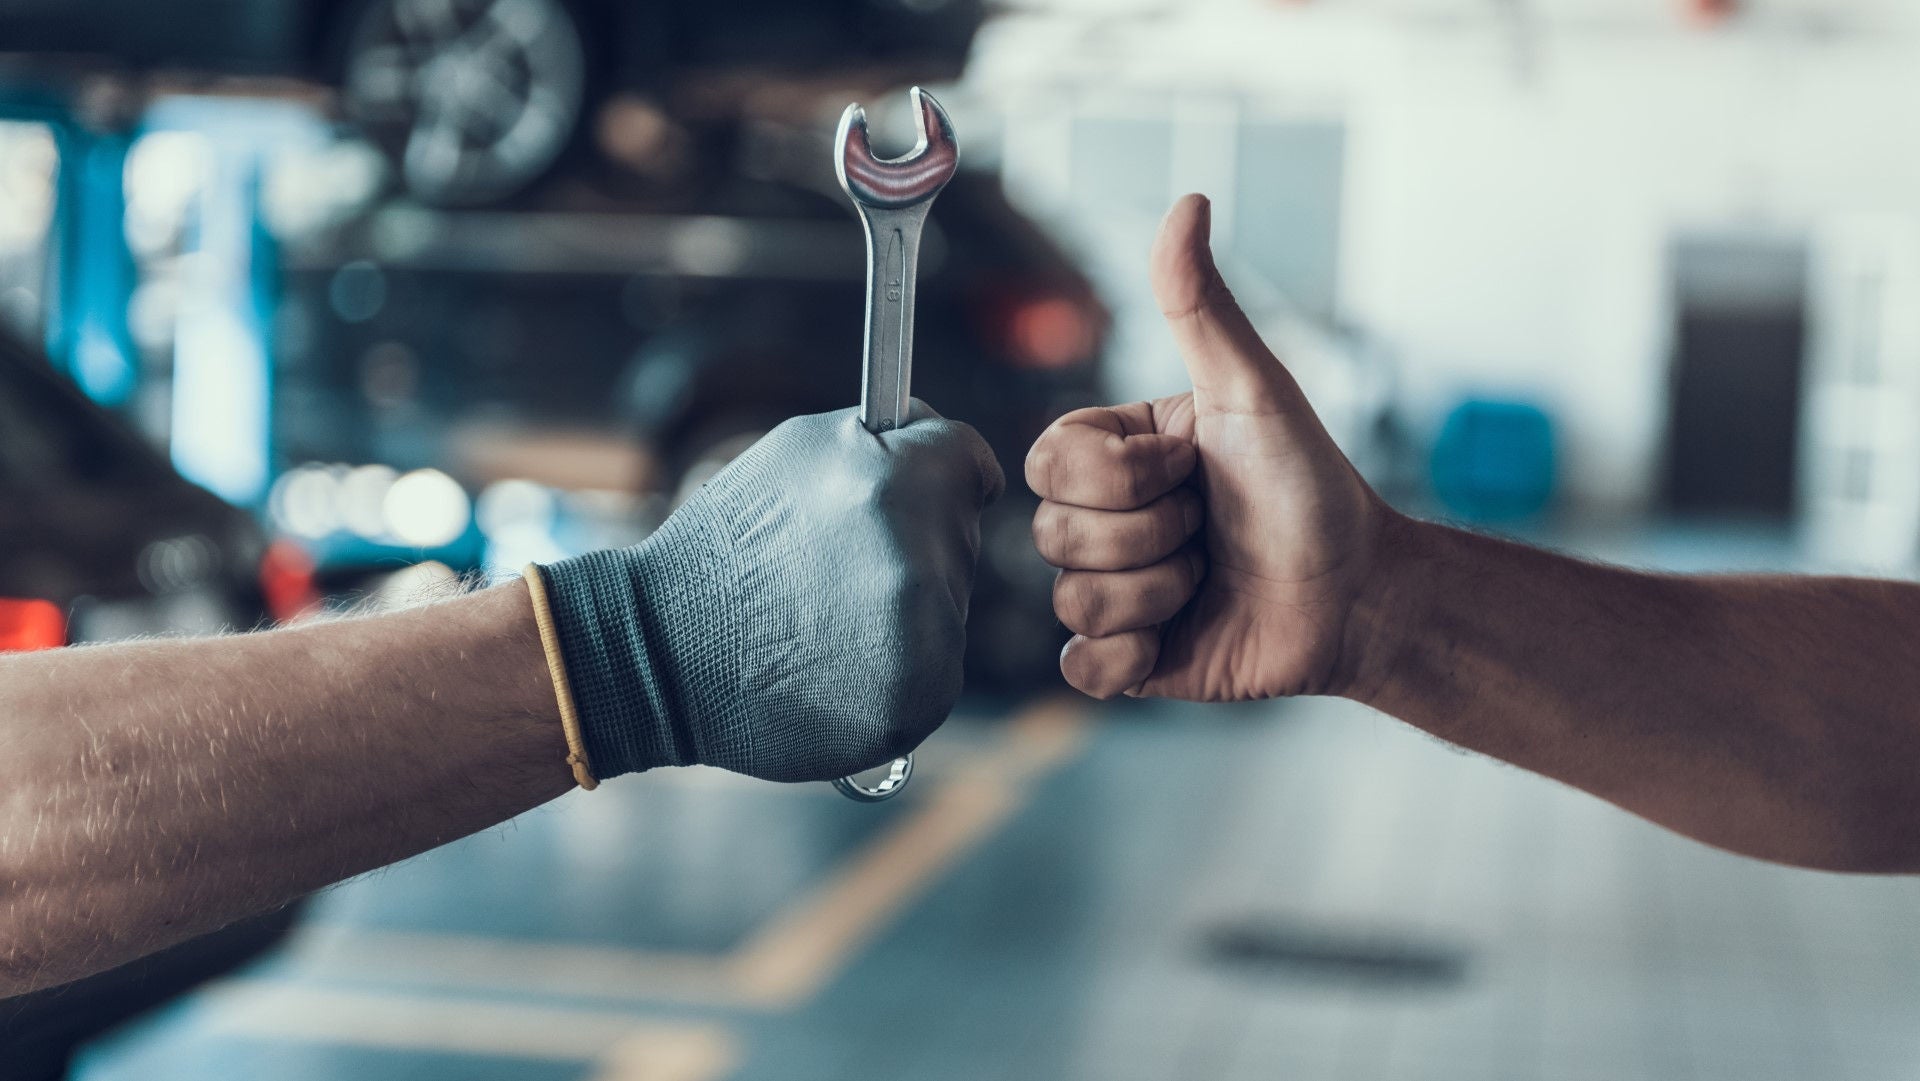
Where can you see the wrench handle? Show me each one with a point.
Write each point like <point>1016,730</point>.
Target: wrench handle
<point>893,261</point>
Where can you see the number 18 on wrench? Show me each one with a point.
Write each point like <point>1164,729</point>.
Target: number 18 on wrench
<point>892,197</point>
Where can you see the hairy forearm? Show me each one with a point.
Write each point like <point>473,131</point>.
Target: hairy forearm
<point>1777,717</point>
<point>153,791</point>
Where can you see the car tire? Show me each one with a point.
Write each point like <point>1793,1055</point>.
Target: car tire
<point>473,101</point>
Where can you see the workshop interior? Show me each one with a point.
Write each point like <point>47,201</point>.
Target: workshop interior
<point>318,307</point>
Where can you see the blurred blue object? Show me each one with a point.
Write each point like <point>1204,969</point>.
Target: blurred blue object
<point>89,331</point>
<point>1494,460</point>
<point>221,434</point>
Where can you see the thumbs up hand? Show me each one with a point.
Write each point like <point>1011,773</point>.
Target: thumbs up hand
<point>1214,545</point>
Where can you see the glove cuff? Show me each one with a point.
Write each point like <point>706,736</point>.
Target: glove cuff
<point>617,616</point>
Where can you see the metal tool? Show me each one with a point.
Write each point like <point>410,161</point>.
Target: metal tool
<point>892,197</point>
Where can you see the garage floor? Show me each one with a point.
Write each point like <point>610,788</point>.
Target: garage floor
<point>1072,890</point>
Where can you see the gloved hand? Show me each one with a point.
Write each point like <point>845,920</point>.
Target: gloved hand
<point>801,618</point>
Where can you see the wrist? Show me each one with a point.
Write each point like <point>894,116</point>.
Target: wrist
<point>485,661</point>
<point>534,581</point>
<point>1387,614</point>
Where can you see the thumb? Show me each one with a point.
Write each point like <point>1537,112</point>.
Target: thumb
<point>1231,368</point>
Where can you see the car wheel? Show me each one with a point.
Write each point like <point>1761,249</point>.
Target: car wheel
<point>473,100</point>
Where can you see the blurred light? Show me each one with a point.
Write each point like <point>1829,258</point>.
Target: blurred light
<point>20,307</point>
<point>708,247</point>
<point>1709,12</point>
<point>165,172</point>
<point>426,508</point>
<point>517,517</point>
<point>421,583</point>
<point>514,504</point>
<point>304,501</point>
<point>361,499</point>
<point>176,564</point>
<point>358,291</point>
<point>220,403</point>
<point>402,232</point>
<point>100,367</point>
<point>1051,333</point>
<point>29,159</point>
<point>151,312</point>
<point>31,624</point>
<point>309,188</point>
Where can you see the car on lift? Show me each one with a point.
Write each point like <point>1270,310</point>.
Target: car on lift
<point>690,323</point>
<point>476,100</point>
<point>103,540</point>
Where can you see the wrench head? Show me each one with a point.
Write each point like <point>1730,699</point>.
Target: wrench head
<point>896,183</point>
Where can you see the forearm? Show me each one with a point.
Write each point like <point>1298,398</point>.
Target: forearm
<point>157,790</point>
<point>1777,717</point>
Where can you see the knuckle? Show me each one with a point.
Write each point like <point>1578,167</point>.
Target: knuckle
<point>1172,585</point>
<point>1052,532</point>
<point>1041,463</point>
<point>1160,534</point>
<point>1076,668</point>
<point>1080,602</point>
<point>1171,589</point>
<point>1139,537</point>
<point>1139,474</point>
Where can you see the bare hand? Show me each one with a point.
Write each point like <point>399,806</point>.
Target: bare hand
<point>1214,545</point>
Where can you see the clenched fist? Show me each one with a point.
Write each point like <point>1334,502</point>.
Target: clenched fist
<point>1214,545</point>
<point>801,618</point>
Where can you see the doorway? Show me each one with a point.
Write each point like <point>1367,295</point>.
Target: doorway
<point>1739,358</point>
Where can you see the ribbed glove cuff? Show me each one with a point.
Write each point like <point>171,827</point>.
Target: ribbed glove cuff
<point>617,616</point>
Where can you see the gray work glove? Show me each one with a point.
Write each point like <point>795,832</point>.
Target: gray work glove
<point>801,618</point>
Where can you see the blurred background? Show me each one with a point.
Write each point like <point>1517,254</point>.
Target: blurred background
<point>314,304</point>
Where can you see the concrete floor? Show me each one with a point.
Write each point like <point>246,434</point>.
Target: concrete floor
<point>1294,890</point>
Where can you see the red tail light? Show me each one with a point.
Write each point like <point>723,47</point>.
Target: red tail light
<point>31,624</point>
<point>286,581</point>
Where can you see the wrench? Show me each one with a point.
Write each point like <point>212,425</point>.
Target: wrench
<point>892,197</point>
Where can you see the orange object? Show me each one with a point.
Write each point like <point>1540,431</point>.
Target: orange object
<point>31,624</point>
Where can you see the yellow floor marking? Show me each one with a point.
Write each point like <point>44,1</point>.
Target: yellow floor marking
<point>518,965</point>
<point>796,952</point>
<point>623,1047</point>
<point>802,949</point>
<point>705,1054</point>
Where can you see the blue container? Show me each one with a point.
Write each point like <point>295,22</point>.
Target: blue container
<point>1494,460</point>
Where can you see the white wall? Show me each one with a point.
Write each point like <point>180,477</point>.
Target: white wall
<point>1513,183</point>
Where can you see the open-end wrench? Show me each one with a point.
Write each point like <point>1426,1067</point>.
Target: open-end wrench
<point>892,197</point>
